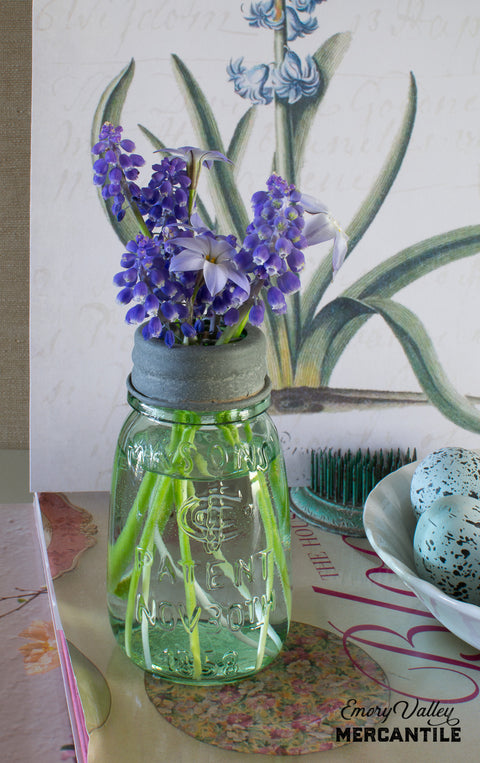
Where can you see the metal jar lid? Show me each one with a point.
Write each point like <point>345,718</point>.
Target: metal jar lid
<point>199,377</point>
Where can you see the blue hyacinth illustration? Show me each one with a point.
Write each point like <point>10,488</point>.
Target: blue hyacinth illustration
<point>305,343</point>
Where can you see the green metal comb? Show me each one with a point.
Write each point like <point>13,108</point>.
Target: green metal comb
<point>340,484</point>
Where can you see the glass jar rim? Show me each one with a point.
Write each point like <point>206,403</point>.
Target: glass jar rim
<point>159,411</point>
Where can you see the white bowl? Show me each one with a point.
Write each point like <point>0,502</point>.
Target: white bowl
<point>390,525</point>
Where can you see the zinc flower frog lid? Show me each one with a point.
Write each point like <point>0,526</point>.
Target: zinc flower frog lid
<point>187,375</point>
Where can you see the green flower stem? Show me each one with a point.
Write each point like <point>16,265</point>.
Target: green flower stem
<point>270,524</point>
<point>273,541</point>
<point>268,516</point>
<point>120,553</point>
<point>243,590</point>
<point>262,498</point>
<point>158,515</point>
<point>202,597</point>
<point>180,493</point>
<point>160,505</point>
<point>146,575</point>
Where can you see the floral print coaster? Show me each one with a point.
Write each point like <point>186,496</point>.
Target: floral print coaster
<point>292,707</point>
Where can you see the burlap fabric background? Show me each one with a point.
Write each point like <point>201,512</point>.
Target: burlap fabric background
<point>15,89</point>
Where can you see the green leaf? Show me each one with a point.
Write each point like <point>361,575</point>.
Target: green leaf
<point>396,273</point>
<point>229,207</point>
<point>418,348</point>
<point>328,58</point>
<point>389,171</point>
<point>156,142</point>
<point>109,109</point>
<point>368,210</point>
<point>241,137</point>
<point>293,125</point>
<point>425,364</point>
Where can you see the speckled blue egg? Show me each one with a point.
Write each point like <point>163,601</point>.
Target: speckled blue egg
<point>446,547</point>
<point>448,471</point>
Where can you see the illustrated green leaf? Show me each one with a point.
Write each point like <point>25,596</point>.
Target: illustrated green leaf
<point>157,145</point>
<point>424,361</point>
<point>109,109</point>
<point>321,279</point>
<point>418,348</point>
<point>293,126</point>
<point>229,207</point>
<point>156,142</point>
<point>240,138</point>
<point>391,276</point>
<point>388,173</point>
<point>328,58</point>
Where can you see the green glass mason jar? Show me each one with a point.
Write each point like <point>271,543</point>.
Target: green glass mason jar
<point>198,575</point>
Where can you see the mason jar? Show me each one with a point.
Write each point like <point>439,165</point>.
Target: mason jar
<point>198,572</point>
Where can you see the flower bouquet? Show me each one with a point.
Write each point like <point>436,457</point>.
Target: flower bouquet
<point>198,554</point>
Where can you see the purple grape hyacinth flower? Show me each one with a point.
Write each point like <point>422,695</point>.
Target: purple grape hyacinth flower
<point>184,282</point>
<point>116,164</point>
<point>195,158</point>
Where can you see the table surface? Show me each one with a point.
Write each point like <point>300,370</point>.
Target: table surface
<point>340,586</point>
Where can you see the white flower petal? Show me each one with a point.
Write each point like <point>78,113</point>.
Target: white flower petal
<point>339,251</point>
<point>186,261</point>
<point>312,205</point>
<point>320,229</point>
<point>239,279</point>
<point>195,155</point>
<point>221,250</point>
<point>198,244</point>
<point>215,277</point>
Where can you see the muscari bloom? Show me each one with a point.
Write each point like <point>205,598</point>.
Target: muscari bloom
<point>271,250</point>
<point>178,278</point>
<point>194,159</point>
<point>164,200</point>
<point>255,83</point>
<point>324,227</point>
<point>116,163</point>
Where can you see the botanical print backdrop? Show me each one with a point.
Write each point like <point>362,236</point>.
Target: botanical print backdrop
<point>371,107</point>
